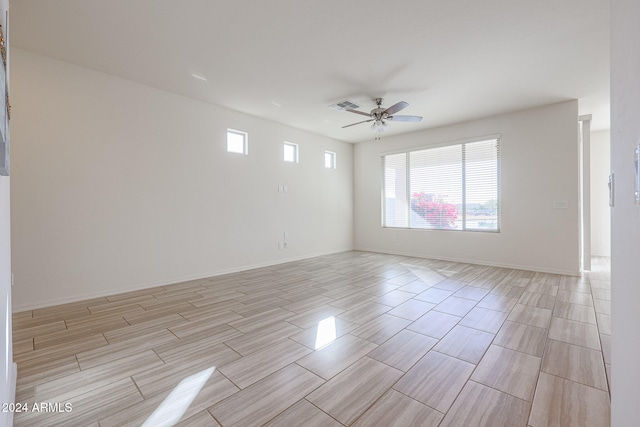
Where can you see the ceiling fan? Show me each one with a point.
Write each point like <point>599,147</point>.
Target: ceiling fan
<point>382,116</point>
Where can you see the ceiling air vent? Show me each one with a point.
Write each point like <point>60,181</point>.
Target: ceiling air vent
<point>344,106</point>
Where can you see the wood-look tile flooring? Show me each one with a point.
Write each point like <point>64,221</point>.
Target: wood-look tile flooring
<point>350,339</point>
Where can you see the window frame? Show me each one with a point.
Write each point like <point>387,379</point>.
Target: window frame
<point>296,152</point>
<point>461,142</point>
<point>245,141</point>
<point>333,162</point>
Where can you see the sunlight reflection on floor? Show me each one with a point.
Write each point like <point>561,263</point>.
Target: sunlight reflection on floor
<point>173,407</point>
<point>326,332</point>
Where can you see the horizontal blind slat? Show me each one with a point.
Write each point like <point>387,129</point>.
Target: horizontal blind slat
<point>481,169</point>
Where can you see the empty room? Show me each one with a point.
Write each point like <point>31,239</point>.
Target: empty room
<point>327,213</point>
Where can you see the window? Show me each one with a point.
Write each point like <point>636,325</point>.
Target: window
<point>290,152</point>
<point>237,142</point>
<point>454,187</point>
<point>329,160</point>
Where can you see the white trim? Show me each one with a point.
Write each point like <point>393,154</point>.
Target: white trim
<point>57,301</point>
<point>137,287</point>
<point>474,262</point>
<point>585,191</point>
<point>497,136</point>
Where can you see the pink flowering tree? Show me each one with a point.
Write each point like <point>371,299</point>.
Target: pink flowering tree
<point>434,210</point>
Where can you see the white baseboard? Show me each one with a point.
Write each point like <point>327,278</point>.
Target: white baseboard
<point>476,262</point>
<point>81,297</point>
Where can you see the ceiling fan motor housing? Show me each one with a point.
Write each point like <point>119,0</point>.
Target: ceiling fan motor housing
<point>378,113</point>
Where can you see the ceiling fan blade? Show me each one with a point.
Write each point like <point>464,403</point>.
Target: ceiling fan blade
<point>359,112</point>
<point>357,123</point>
<point>405,118</point>
<point>395,108</point>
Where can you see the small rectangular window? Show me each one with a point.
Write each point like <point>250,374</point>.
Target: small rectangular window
<point>329,160</point>
<point>237,142</point>
<point>290,152</point>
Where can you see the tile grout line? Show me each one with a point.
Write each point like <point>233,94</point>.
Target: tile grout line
<point>604,362</point>
<point>345,272</point>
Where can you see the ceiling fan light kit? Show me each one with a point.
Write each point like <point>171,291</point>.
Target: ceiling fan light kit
<point>380,116</point>
<point>378,127</point>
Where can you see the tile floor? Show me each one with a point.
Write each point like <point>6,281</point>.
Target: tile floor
<point>350,339</point>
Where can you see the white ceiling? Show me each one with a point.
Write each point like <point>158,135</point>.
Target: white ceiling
<point>287,60</point>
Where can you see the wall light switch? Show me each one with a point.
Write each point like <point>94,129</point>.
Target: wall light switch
<point>285,188</point>
<point>286,234</point>
<point>637,170</point>
<point>612,189</point>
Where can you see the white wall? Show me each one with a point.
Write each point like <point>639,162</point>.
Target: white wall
<point>7,379</point>
<point>7,367</point>
<point>7,375</point>
<point>600,210</point>
<point>625,216</point>
<point>118,186</point>
<point>539,158</point>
